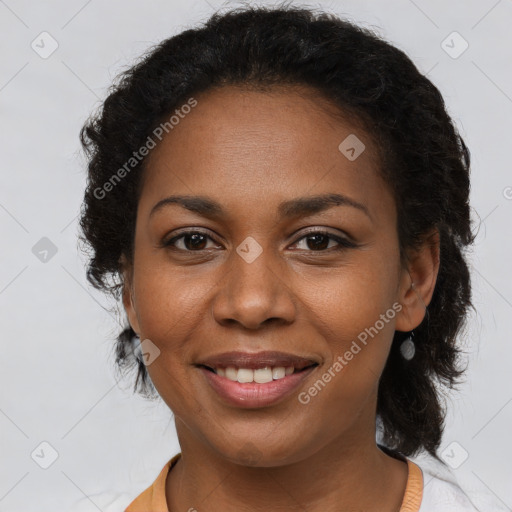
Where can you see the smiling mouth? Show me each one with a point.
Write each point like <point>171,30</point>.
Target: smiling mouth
<point>260,375</point>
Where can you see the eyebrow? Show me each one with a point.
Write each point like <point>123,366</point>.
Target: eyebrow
<point>301,206</point>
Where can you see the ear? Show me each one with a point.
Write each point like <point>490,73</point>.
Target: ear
<point>128,294</point>
<point>417,282</point>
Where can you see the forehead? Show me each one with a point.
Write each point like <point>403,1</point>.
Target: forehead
<point>240,145</point>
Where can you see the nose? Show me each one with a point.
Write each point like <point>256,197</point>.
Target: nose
<point>253,294</point>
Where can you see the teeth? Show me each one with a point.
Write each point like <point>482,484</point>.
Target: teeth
<point>278,372</point>
<point>261,375</point>
<point>245,375</point>
<point>231,373</point>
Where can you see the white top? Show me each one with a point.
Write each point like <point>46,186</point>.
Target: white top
<point>442,491</point>
<point>442,496</point>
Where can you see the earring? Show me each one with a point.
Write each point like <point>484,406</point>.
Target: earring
<point>408,348</point>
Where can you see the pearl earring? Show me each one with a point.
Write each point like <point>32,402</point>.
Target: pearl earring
<point>408,348</point>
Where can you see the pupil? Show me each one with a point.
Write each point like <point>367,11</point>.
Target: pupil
<point>316,244</point>
<point>196,240</point>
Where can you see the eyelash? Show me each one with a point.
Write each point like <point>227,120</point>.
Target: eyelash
<point>343,242</point>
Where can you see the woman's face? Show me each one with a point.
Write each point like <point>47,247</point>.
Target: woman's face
<point>262,275</point>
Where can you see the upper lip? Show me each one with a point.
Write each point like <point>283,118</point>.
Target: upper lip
<point>256,360</point>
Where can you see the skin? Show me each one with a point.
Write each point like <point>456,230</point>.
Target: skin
<point>250,151</point>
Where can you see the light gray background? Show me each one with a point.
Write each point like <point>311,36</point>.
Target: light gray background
<point>57,379</point>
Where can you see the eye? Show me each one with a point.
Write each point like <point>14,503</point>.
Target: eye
<point>193,241</point>
<point>318,241</point>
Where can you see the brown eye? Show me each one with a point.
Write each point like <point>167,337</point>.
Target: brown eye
<point>318,241</point>
<point>192,241</point>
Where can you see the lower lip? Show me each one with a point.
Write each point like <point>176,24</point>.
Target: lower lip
<point>252,394</point>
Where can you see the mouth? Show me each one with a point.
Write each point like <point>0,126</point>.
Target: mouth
<point>259,367</point>
<point>259,375</point>
<point>255,380</point>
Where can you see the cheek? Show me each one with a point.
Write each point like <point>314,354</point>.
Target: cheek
<point>167,314</point>
<point>167,302</point>
<point>358,329</point>
<point>354,308</point>
<point>348,299</point>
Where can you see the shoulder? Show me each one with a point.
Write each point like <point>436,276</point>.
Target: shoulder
<point>443,491</point>
<point>443,496</point>
<point>151,498</point>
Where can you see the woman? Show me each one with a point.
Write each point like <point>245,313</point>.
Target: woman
<point>284,201</point>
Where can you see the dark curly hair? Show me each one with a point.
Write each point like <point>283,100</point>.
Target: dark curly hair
<point>422,158</point>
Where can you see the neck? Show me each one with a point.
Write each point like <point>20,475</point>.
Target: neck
<point>351,470</point>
